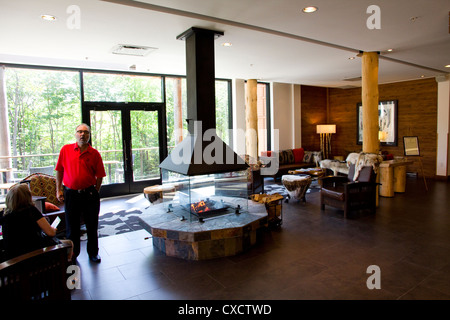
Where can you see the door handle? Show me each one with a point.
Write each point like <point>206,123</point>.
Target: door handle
<point>125,154</point>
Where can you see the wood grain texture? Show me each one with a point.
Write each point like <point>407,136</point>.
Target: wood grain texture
<point>251,118</point>
<point>417,116</point>
<point>370,99</point>
<point>313,112</point>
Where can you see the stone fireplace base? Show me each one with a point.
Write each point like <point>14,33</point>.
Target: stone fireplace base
<point>216,237</point>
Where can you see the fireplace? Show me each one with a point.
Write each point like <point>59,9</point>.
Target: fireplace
<point>207,178</point>
<point>205,211</point>
<point>202,197</point>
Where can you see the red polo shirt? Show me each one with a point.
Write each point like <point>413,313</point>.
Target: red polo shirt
<point>81,170</point>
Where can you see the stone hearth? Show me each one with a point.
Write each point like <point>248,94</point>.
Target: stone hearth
<point>216,237</point>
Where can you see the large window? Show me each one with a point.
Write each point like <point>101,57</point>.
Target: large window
<point>44,105</point>
<point>113,119</point>
<point>43,108</point>
<point>176,109</point>
<point>263,111</point>
<point>223,109</point>
<point>121,87</point>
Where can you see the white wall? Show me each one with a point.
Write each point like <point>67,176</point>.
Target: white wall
<point>286,115</point>
<point>238,91</point>
<point>443,127</point>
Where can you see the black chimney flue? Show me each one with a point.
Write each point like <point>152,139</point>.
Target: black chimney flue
<point>198,153</point>
<point>200,76</point>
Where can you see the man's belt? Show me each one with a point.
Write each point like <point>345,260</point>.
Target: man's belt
<point>88,189</point>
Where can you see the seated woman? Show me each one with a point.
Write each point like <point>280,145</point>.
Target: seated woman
<point>25,229</point>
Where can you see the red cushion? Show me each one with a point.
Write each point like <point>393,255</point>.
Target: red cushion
<point>298,154</point>
<point>50,207</point>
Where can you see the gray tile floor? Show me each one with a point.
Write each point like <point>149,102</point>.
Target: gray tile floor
<point>314,255</point>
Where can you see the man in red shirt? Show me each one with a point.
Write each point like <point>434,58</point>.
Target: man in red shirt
<point>80,168</point>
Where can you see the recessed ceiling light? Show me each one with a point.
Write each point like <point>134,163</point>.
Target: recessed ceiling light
<point>227,44</point>
<point>352,58</point>
<point>48,17</point>
<point>309,9</point>
<point>390,50</point>
<point>447,66</point>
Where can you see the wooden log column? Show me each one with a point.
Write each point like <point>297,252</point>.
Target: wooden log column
<point>251,119</point>
<point>371,144</point>
<point>177,111</point>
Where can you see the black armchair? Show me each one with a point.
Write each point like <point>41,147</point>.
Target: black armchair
<point>350,195</point>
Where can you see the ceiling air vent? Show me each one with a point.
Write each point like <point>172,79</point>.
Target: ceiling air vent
<point>132,50</point>
<point>353,79</point>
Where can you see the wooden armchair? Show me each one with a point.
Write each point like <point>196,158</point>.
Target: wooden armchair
<point>37,275</point>
<point>348,195</point>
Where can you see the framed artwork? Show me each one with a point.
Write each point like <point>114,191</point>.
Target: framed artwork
<point>411,146</point>
<point>387,121</point>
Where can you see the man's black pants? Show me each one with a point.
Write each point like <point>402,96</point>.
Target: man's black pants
<point>86,204</point>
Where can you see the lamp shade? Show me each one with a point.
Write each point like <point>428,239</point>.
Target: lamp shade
<point>382,136</point>
<point>326,128</point>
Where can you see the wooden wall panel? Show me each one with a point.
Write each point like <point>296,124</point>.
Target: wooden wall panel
<point>313,112</point>
<point>417,116</point>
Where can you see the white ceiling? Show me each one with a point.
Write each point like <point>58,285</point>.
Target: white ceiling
<point>271,40</point>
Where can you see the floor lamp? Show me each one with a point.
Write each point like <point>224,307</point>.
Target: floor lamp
<point>325,131</point>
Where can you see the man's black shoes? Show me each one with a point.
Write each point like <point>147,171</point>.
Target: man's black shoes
<point>95,259</point>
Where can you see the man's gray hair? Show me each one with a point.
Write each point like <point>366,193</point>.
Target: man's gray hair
<point>83,124</point>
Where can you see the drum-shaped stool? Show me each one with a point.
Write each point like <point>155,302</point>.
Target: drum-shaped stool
<point>296,185</point>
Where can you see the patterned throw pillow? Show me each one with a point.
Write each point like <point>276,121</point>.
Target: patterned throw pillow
<point>286,157</point>
<point>308,157</point>
<point>290,156</point>
<point>281,157</point>
<point>43,185</point>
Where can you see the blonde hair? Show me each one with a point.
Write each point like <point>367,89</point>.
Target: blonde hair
<point>18,197</point>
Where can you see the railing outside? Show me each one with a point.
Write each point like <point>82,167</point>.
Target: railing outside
<point>145,164</point>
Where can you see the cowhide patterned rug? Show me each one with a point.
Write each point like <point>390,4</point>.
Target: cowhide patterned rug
<point>123,221</point>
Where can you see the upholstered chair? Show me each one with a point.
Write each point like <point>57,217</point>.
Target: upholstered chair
<point>349,195</point>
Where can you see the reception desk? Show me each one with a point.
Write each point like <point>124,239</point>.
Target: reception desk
<point>393,177</point>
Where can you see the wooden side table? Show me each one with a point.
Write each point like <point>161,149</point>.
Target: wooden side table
<point>393,177</point>
<point>274,207</point>
<point>154,193</point>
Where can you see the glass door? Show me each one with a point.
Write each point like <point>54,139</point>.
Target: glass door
<point>145,145</point>
<point>107,138</point>
<point>128,136</point>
